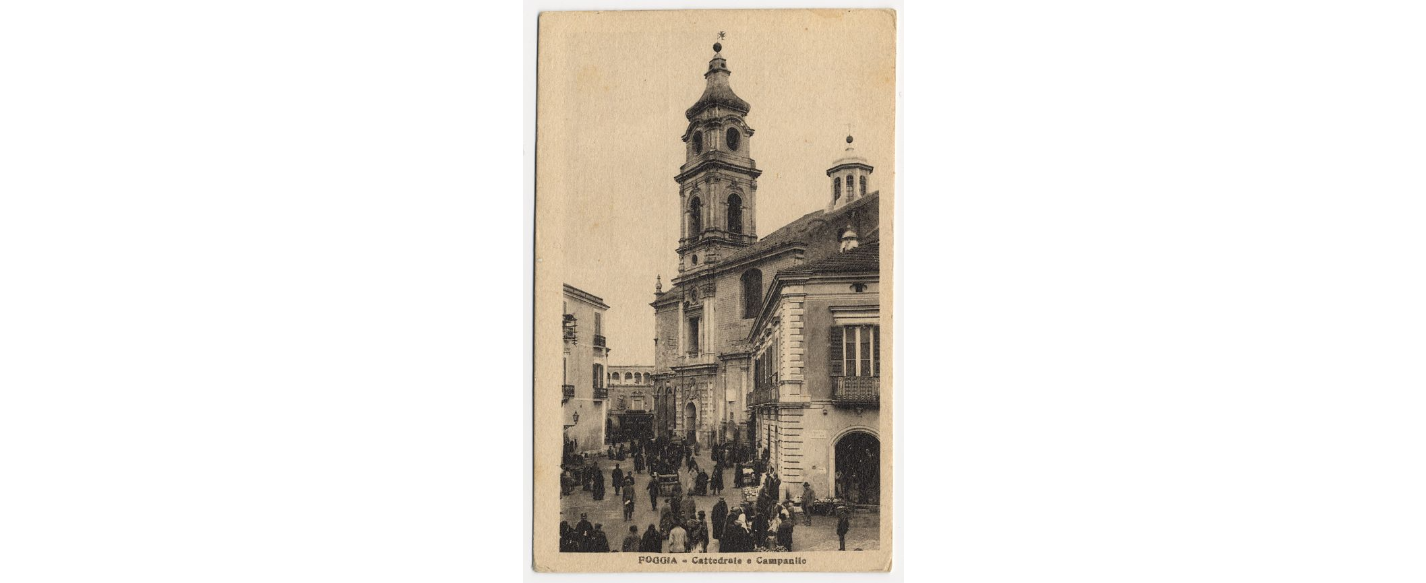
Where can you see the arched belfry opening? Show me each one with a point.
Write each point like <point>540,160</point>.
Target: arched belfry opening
<point>735,214</point>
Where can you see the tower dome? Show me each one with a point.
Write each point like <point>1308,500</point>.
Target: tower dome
<point>850,175</point>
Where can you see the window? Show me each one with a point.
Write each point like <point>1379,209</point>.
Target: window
<point>863,185</point>
<point>837,189</point>
<point>735,214</point>
<point>849,187</point>
<point>733,138</point>
<point>628,376</point>
<point>697,143</point>
<point>598,324</point>
<point>855,351</point>
<point>693,336</point>
<point>752,292</point>
<point>599,376</point>
<point>695,217</point>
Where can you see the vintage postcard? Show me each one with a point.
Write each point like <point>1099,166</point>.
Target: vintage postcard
<point>713,281</point>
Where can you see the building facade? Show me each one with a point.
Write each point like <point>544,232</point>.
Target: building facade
<point>586,362</point>
<point>705,349</point>
<point>631,403</point>
<point>816,346</point>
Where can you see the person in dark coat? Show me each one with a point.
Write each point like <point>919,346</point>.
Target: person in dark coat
<point>737,475</point>
<point>638,462</point>
<point>784,533</point>
<point>582,530</point>
<point>720,515</point>
<point>698,537</point>
<point>618,477</point>
<point>729,542</point>
<point>760,529</point>
<point>716,481</point>
<point>567,544</point>
<point>700,484</point>
<point>598,542</point>
<point>808,497</point>
<point>631,542</point>
<point>598,485</point>
<point>653,494</point>
<point>843,525</point>
<point>652,543</point>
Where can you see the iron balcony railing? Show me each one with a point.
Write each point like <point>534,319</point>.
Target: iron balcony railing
<point>601,392</point>
<point>856,391</point>
<point>763,396</point>
<point>599,341</point>
<point>568,391</point>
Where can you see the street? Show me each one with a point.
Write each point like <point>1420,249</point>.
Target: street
<point>820,536</point>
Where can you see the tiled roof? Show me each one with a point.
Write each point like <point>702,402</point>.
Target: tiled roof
<point>801,229</point>
<point>866,258</point>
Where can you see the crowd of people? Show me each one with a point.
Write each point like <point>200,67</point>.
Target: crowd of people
<point>765,523</point>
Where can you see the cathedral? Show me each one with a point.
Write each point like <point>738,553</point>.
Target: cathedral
<point>735,329</point>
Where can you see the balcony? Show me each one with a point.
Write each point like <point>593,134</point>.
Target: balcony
<point>601,392</point>
<point>599,341</point>
<point>856,391</point>
<point>568,392</point>
<point>763,396</point>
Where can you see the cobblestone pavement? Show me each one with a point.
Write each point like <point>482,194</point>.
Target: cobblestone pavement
<point>821,536</point>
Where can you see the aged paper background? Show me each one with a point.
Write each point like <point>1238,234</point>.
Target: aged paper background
<point>612,90</point>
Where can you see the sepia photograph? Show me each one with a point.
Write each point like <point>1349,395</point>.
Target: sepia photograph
<point>714,196</point>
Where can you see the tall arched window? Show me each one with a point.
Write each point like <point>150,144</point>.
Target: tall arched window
<point>752,292</point>
<point>735,214</point>
<point>849,186</point>
<point>695,218</point>
<point>837,189</point>
<point>628,376</point>
<point>863,186</point>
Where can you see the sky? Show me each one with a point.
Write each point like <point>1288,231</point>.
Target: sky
<point>613,91</point>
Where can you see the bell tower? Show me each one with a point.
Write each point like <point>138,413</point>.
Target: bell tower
<point>849,176</point>
<point>717,184</point>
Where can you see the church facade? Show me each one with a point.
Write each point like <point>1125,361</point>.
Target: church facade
<point>712,327</point>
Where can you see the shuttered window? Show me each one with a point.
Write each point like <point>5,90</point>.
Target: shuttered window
<point>856,351</point>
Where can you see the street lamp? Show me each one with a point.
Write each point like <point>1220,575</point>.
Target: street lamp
<point>576,417</point>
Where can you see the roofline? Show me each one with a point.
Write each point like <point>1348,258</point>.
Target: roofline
<point>585,296</point>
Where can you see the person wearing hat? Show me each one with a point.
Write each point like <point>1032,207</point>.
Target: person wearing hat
<point>699,535</point>
<point>582,532</point>
<point>631,542</point>
<point>808,497</point>
<point>628,502</point>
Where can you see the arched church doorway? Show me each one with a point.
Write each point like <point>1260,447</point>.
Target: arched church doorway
<point>690,422</point>
<point>857,460</point>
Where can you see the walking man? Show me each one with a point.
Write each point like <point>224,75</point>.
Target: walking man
<point>808,497</point>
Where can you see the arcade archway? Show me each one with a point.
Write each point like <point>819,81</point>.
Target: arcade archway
<point>857,459</point>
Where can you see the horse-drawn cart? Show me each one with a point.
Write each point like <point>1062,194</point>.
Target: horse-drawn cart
<point>666,482</point>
